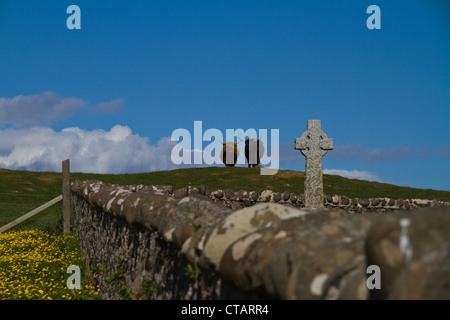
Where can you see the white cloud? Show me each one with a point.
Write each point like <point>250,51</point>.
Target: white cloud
<point>44,108</point>
<point>398,153</point>
<point>97,151</point>
<point>109,107</point>
<point>353,174</point>
<point>41,109</point>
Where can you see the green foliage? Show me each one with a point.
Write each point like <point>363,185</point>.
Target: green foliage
<point>125,293</point>
<point>191,271</point>
<point>97,270</point>
<point>118,279</point>
<point>119,275</point>
<point>148,287</point>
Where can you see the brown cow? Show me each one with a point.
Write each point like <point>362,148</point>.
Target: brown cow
<point>229,148</point>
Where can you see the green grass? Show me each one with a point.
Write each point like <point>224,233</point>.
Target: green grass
<point>22,191</point>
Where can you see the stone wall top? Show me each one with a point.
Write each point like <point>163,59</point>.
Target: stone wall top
<point>239,199</point>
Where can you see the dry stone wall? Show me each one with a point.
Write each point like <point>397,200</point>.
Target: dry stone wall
<point>153,242</point>
<point>240,199</point>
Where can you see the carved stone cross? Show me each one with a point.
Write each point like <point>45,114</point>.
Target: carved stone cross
<point>313,144</point>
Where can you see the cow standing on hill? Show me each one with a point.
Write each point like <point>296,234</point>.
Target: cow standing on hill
<point>229,148</point>
<point>254,150</point>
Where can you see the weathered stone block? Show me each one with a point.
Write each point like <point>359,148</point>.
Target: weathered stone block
<point>345,201</point>
<point>192,190</point>
<point>422,203</point>
<point>335,199</point>
<point>414,259</point>
<point>180,193</point>
<point>266,196</point>
<point>364,202</point>
<point>308,256</point>
<point>399,203</point>
<point>293,198</point>
<point>406,204</point>
<point>219,194</point>
<point>237,225</point>
<point>241,195</point>
<point>229,194</point>
<point>255,195</point>
<point>276,196</point>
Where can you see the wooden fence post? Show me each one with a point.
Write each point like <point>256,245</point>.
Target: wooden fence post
<point>66,195</point>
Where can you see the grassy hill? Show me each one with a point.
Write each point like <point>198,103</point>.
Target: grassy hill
<point>22,191</point>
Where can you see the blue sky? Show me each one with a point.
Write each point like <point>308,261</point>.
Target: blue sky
<point>110,95</point>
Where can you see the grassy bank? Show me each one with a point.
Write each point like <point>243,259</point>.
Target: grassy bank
<point>22,191</point>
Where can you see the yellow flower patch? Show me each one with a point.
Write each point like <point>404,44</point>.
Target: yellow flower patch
<point>33,265</point>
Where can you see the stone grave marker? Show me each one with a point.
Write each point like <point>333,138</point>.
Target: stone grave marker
<point>313,144</point>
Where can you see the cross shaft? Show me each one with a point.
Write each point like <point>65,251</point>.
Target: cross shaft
<point>313,144</point>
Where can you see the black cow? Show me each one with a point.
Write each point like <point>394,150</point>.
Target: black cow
<point>254,150</point>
